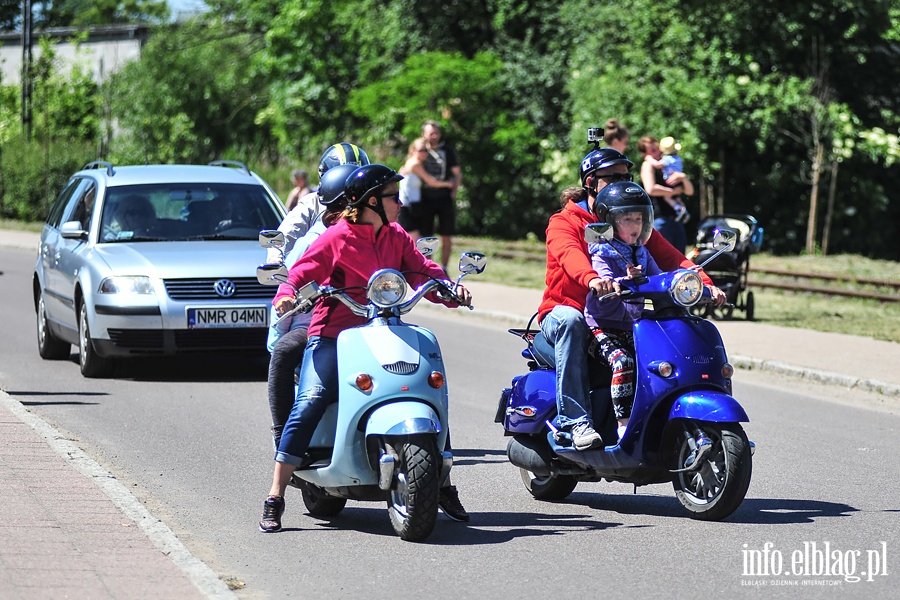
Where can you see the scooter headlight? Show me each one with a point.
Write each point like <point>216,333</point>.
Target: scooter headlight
<point>686,289</point>
<point>386,288</point>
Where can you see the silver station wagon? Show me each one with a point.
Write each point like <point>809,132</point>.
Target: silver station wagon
<point>154,260</point>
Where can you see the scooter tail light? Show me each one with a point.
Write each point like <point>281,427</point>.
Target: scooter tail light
<point>364,382</point>
<point>436,379</point>
<point>727,371</point>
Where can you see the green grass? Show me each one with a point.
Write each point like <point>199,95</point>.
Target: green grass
<point>856,316</point>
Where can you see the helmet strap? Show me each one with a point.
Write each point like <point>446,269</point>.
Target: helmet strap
<point>378,209</point>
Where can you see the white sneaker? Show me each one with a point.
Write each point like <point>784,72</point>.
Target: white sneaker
<point>584,437</point>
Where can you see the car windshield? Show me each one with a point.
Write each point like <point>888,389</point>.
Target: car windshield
<point>195,211</point>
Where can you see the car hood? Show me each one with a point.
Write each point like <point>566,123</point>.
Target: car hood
<point>180,260</point>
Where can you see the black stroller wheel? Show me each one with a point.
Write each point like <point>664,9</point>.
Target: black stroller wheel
<point>722,313</point>
<point>749,306</point>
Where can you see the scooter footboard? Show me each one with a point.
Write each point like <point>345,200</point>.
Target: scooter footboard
<point>708,405</point>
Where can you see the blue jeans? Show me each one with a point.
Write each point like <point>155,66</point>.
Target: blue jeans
<point>317,389</point>
<point>565,329</point>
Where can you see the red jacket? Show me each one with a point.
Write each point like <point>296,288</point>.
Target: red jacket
<point>346,255</point>
<point>569,269</point>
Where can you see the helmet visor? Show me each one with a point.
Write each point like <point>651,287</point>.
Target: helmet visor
<point>632,224</point>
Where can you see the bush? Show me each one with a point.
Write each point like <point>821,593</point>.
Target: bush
<point>32,174</point>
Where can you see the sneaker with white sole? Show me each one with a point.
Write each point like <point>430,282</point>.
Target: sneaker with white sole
<point>273,508</point>
<point>584,437</point>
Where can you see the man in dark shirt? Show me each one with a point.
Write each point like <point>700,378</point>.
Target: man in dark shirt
<point>443,165</point>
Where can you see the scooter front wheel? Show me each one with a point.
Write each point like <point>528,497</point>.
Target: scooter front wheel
<point>715,488</point>
<point>548,488</point>
<point>413,503</point>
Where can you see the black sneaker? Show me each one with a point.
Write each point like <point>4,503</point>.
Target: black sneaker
<point>273,508</point>
<point>448,500</point>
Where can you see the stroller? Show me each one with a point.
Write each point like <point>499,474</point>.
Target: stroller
<point>728,271</point>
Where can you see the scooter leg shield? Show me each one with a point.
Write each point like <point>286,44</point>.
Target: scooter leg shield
<point>708,405</point>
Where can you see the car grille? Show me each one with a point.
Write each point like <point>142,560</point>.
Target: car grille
<point>156,341</point>
<point>246,288</point>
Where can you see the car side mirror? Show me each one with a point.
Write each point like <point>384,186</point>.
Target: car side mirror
<point>73,230</point>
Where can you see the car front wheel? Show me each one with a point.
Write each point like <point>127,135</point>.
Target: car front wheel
<point>92,364</point>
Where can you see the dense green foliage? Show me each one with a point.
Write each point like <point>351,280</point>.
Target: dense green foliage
<point>776,105</point>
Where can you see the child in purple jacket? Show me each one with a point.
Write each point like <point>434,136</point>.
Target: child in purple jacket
<point>625,206</point>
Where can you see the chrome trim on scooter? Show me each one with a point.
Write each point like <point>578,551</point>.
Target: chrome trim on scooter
<point>414,426</point>
<point>752,447</point>
<point>401,368</point>
<point>385,471</point>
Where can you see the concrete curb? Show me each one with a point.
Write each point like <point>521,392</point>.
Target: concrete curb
<point>739,362</point>
<point>204,578</point>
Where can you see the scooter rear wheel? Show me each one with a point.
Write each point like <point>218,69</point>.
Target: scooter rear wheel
<point>318,503</point>
<point>548,488</point>
<point>413,502</point>
<point>718,486</point>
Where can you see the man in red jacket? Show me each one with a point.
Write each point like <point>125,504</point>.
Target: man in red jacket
<point>569,277</point>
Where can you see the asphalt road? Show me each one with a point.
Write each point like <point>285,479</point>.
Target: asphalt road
<point>190,439</point>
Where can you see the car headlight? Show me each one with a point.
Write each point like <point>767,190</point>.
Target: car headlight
<point>386,288</point>
<point>126,285</point>
<point>686,288</point>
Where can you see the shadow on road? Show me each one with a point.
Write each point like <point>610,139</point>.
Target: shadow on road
<point>193,368</point>
<point>781,511</point>
<point>18,395</point>
<point>472,455</point>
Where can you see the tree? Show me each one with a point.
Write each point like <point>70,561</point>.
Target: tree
<point>68,13</point>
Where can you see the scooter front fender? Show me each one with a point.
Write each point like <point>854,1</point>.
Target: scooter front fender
<point>708,405</point>
<point>406,417</point>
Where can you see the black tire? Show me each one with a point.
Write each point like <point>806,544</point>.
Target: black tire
<point>413,503</point>
<point>749,306</point>
<point>718,487</point>
<point>548,488</point>
<point>92,364</point>
<point>49,346</point>
<point>318,503</point>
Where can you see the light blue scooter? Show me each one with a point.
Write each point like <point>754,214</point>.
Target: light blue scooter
<point>385,437</point>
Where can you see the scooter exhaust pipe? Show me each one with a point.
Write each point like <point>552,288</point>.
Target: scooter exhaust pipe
<point>526,452</point>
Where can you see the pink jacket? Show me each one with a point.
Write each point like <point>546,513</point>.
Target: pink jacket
<point>346,255</point>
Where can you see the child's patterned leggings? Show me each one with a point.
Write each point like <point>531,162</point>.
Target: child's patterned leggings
<point>617,348</point>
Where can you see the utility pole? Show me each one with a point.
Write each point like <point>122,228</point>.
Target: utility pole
<point>26,68</point>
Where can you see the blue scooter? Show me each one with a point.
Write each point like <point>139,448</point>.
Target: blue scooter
<point>685,426</point>
<point>384,439</point>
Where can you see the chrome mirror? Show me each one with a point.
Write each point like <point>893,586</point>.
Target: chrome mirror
<point>472,262</point>
<point>725,240</point>
<point>272,274</point>
<point>428,245</point>
<point>598,233</point>
<point>271,238</point>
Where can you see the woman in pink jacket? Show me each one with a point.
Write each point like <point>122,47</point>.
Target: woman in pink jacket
<point>345,255</point>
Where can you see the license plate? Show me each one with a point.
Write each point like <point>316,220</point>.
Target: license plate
<point>237,316</point>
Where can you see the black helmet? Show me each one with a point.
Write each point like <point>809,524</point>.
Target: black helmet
<point>365,181</point>
<point>342,153</point>
<point>331,188</point>
<point>621,197</point>
<point>601,159</point>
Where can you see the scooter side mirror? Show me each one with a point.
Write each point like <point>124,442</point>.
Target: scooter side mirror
<point>427,245</point>
<point>725,240</point>
<point>271,238</point>
<point>472,262</point>
<point>272,274</point>
<point>598,233</point>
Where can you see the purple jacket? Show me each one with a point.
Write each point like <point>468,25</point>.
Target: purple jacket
<point>616,313</point>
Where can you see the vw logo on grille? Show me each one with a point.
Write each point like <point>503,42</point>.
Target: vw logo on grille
<point>225,288</point>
